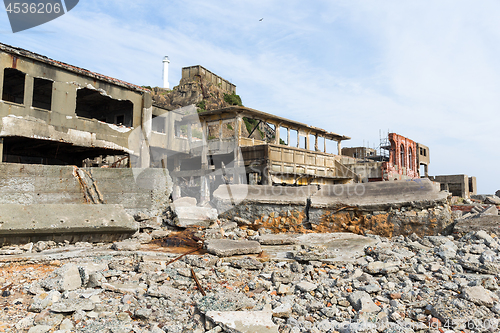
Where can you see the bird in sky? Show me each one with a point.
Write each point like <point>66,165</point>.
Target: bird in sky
<point>261,19</point>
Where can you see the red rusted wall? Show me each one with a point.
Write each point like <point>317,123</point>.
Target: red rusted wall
<point>394,168</point>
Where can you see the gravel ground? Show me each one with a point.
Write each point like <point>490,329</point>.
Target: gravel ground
<point>404,284</point>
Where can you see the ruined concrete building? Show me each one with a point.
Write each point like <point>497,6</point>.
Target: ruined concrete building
<point>400,158</point>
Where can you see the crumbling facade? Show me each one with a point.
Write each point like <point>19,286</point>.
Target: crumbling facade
<point>244,145</point>
<point>458,185</point>
<point>400,159</point>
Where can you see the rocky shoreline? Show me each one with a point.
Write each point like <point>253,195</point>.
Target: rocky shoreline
<point>403,284</point>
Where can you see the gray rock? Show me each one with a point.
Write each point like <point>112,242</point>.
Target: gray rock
<point>361,301</point>
<point>40,329</point>
<point>283,311</point>
<point>277,239</point>
<point>306,286</point>
<point>244,321</point>
<point>64,278</point>
<point>127,245</point>
<point>378,267</point>
<point>247,263</point>
<point>72,305</point>
<point>226,247</point>
<point>241,221</point>
<point>44,300</point>
<point>191,216</point>
<point>480,296</point>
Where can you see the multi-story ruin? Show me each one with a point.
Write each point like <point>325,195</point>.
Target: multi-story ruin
<point>399,158</point>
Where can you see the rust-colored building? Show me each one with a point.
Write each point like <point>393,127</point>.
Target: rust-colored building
<point>402,162</point>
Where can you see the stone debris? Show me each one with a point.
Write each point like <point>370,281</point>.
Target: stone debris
<point>403,284</point>
<point>227,247</point>
<point>187,216</point>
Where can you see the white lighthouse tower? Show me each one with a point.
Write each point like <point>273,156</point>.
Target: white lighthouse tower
<point>165,72</point>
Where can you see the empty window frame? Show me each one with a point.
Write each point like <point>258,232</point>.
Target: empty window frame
<point>312,142</point>
<point>196,131</point>
<point>402,154</point>
<point>42,93</point>
<point>283,136</point>
<point>92,105</point>
<point>13,85</point>
<point>410,158</point>
<point>214,130</point>
<point>181,130</point>
<point>158,124</point>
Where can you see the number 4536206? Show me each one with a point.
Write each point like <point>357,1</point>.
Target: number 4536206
<point>33,8</point>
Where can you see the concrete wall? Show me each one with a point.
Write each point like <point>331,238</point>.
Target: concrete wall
<point>384,208</point>
<point>147,191</point>
<point>457,185</point>
<point>60,123</point>
<point>192,71</point>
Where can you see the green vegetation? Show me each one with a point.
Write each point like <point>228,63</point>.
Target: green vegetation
<point>250,124</point>
<point>282,142</point>
<point>201,106</point>
<point>233,99</point>
<point>147,87</point>
<point>229,127</point>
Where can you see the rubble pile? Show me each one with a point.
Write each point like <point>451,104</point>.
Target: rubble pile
<point>403,284</point>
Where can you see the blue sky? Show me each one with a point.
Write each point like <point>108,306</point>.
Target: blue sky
<point>427,70</point>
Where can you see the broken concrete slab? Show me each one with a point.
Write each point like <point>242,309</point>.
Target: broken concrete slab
<point>126,245</point>
<point>494,200</point>
<point>277,239</point>
<point>227,247</point>
<point>488,223</point>
<point>379,195</point>
<point>185,202</point>
<point>65,278</point>
<point>188,216</point>
<point>73,222</point>
<point>244,321</point>
<point>341,247</point>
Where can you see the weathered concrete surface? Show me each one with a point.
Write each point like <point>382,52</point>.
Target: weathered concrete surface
<point>244,321</point>
<point>227,247</point>
<point>419,193</point>
<point>138,190</point>
<point>58,222</point>
<point>190,216</point>
<point>277,239</point>
<point>384,208</point>
<point>341,247</point>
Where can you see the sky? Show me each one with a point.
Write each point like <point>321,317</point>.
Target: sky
<point>428,70</point>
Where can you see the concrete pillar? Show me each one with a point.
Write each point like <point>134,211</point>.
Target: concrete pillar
<point>316,146</point>
<point>288,137</point>
<point>298,138</point>
<point>324,144</point>
<point>28,90</point>
<point>146,128</point>
<point>220,130</point>
<point>426,170</point>
<point>237,129</point>
<point>308,139</point>
<point>339,147</point>
<point>189,132</point>
<point>266,176</point>
<point>205,186</point>
<point>277,134</point>
<point>1,150</point>
<point>177,167</point>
